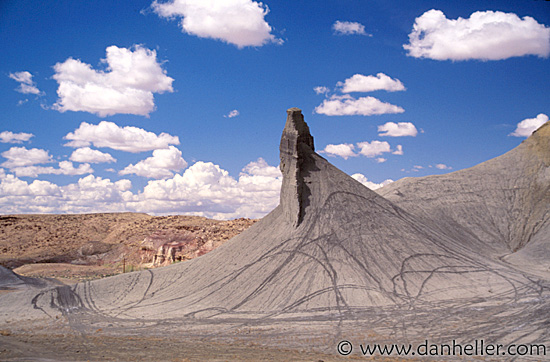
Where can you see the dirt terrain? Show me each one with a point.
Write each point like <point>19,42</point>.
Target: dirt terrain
<point>92,246</point>
<point>100,347</point>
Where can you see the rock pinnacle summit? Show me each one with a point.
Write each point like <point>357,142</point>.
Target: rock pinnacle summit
<point>296,145</point>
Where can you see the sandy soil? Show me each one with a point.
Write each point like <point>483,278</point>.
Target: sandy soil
<point>99,348</point>
<point>68,273</point>
<point>66,345</point>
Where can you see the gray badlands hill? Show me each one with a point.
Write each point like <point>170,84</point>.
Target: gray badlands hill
<point>503,203</point>
<point>335,252</point>
<point>12,281</point>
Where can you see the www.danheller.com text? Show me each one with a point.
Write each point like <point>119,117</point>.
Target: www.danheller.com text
<point>477,347</point>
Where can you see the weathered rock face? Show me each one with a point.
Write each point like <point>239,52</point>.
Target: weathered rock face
<point>296,145</point>
<point>168,246</point>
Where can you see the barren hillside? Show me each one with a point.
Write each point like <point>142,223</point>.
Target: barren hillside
<point>91,245</point>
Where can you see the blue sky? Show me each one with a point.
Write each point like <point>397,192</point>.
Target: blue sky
<point>193,96</point>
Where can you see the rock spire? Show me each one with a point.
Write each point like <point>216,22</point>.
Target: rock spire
<point>296,145</point>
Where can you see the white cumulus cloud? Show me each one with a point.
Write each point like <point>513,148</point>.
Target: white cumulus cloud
<point>10,137</point>
<point>373,148</point>
<point>261,168</point>
<point>89,194</point>
<point>368,149</point>
<point>345,105</point>
<point>262,181</point>
<point>22,162</point>
<point>11,188</point>
<point>348,28</point>
<point>370,83</point>
<point>110,135</point>
<point>21,156</point>
<point>344,150</point>
<point>86,154</point>
<point>65,168</point>
<point>526,127</point>
<point>26,84</point>
<point>238,22</point>
<point>96,194</point>
<point>401,129</point>
<point>486,35</point>
<point>371,185</point>
<point>159,166</point>
<point>207,189</point>
<point>126,86</point>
